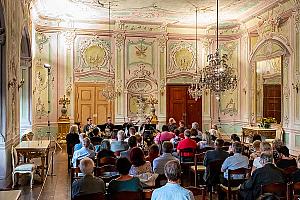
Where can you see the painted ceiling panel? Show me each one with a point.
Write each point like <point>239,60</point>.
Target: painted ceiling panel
<point>163,11</point>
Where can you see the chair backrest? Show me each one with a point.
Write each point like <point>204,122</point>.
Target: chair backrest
<point>288,172</point>
<point>147,194</point>
<point>127,195</point>
<point>241,172</point>
<point>183,152</point>
<point>74,173</point>
<point>96,196</point>
<point>106,172</point>
<point>198,192</point>
<point>14,157</point>
<point>106,161</point>
<point>279,189</point>
<point>293,191</point>
<point>213,170</point>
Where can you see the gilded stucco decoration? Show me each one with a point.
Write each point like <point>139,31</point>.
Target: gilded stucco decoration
<point>140,52</point>
<point>69,37</point>
<point>94,54</point>
<point>230,108</point>
<point>40,109</point>
<point>141,86</point>
<point>182,57</point>
<point>41,39</point>
<point>268,25</point>
<point>143,28</point>
<point>162,42</point>
<point>120,40</point>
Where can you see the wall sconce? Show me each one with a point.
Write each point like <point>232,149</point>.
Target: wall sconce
<point>21,83</point>
<point>244,90</point>
<point>296,86</point>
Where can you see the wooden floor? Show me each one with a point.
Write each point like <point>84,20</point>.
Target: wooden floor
<point>57,187</point>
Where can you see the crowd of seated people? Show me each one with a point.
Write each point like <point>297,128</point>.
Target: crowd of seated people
<point>139,165</point>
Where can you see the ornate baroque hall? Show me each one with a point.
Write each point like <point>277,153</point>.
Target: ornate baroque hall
<point>149,99</point>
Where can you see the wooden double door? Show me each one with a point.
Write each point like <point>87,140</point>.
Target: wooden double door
<point>181,106</point>
<point>89,102</point>
<point>272,101</point>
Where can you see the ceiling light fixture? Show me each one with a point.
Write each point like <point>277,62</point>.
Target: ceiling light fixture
<point>109,91</point>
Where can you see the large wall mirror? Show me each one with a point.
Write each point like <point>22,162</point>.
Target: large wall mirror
<point>269,88</point>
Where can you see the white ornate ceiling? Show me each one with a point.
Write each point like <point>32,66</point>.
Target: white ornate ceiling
<point>163,11</point>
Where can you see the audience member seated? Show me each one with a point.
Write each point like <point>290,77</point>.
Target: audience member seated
<point>119,144</point>
<point>88,184</point>
<point>206,141</point>
<point>165,135</point>
<point>213,155</point>
<point>187,143</point>
<point>172,190</point>
<point>139,141</point>
<point>214,132</point>
<point>285,161</point>
<point>181,125</point>
<point>256,137</point>
<point>181,132</point>
<point>256,148</point>
<point>276,144</point>
<point>176,139</point>
<point>160,162</point>
<point>268,196</point>
<point>125,182</point>
<point>195,125</point>
<point>235,138</point>
<point>267,174</point>
<point>83,152</point>
<point>104,150</point>
<point>96,139</point>
<point>131,132</point>
<point>87,128</point>
<point>172,125</point>
<point>153,153</point>
<point>131,143</point>
<point>79,145</point>
<point>72,138</point>
<point>296,175</point>
<point>264,147</point>
<point>235,162</point>
<point>139,164</point>
<point>79,126</point>
<point>194,135</point>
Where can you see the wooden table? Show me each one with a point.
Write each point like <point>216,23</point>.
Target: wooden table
<point>35,149</point>
<point>10,195</point>
<point>269,133</point>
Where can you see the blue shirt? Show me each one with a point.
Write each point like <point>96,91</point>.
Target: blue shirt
<point>172,191</point>
<point>133,185</point>
<point>160,162</point>
<point>235,162</point>
<point>82,153</point>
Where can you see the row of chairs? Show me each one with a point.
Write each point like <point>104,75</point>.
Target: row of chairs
<point>198,192</point>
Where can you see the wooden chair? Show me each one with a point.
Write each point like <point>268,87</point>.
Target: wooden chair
<point>213,171</point>
<point>186,161</point>
<point>126,195</point>
<point>198,192</point>
<point>106,172</point>
<point>233,185</point>
<point>96,196</point>
<point>198,167</point>
<point>147,193</point>
<point>288,172</point>
<point>294,191</point>
<point>106,161</point>
<point>279,189</point>
<point>26,168</point>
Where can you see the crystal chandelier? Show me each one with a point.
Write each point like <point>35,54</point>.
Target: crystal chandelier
<point>196,87</point>
<point>109,91</point>
<point>218,76</point>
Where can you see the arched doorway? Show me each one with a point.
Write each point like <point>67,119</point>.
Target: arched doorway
<point>25,77</point>
<point>2,77</point>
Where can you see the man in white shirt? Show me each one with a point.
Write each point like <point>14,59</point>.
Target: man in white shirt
<point>83,152</point>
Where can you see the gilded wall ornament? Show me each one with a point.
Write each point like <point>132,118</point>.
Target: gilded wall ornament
<point>120,40</point>
<point>230,108</point>
<point>162,42</point>
<point>141,72</point>
<point>141,86</point>
<point>41,39</point>
<point>182,57</point>
<point>69,37</point>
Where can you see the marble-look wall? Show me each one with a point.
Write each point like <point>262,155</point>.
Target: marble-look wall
<point>16,17</point>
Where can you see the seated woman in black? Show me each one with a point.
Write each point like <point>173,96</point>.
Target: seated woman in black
<point>104,150</point>
<point>285,161</point>
<point>125,182</point>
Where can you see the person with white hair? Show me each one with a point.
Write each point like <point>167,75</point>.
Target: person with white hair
<point>195,125</point>
<point>172,190</point>
<point>119,144</point>
<point>83,152</point>
<point>80,145</point>
<point>88,184</point>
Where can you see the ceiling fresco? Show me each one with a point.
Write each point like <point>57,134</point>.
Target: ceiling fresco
<point>162,11</point>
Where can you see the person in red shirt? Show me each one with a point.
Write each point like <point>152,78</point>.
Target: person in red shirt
<point>165,135</point>
<point>187,143</point>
